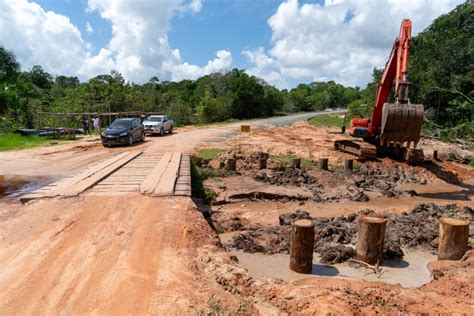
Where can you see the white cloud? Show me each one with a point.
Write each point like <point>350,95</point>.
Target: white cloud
<point>221,63</point>
<point>139,46</point>
<point>340,40</point>
<point>89,28</point>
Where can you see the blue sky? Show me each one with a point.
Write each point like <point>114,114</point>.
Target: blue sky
<point>221,24</point>
<point>284,42</point>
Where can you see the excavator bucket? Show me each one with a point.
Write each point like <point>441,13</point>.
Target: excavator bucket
<point>401,123</point>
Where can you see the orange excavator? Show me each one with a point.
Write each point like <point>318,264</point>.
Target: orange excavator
<point>393,127</point>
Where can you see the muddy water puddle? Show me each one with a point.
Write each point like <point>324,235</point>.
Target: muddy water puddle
<point>412,271</point>
<point>14,186</point>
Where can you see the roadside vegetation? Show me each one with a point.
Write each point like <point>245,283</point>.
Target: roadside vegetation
<point>12,141</point>
<point>209,153</point>
<point>329,120</point>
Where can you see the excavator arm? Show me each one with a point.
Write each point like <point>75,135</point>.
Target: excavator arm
<point>396,124</point>
<point>395,68</point>
<point>393,127</point>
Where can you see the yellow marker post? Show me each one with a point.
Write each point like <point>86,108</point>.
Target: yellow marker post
<point>245,128</point>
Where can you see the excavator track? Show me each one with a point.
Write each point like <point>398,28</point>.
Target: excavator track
<point>361,149</point>
<point>366,151</point>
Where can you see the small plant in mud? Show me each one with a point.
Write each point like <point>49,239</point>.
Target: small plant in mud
<point>210,195</point>
<point>215,304</point>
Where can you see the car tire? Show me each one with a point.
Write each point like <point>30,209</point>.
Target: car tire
<point>105,145</point>
<point>130,140</point>
<point>170,131</point>
<point>162,131</point>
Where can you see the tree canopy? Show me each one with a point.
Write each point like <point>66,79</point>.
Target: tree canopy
<point>441,71</point>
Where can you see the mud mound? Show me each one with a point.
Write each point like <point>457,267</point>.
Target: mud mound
<point>290,176</point>
<point>244,160</point>
<point>288,218</point>
<point>418,229</point>
<point>268,240</point>
<point>387,181</point>
<point>227,222</point>
<point>337,254</point>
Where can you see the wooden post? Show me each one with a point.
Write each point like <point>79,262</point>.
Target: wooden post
<point>296,163</point>
<point>349,165</point>
<point>323,163</point>
<point>370,241</point>
<point>301,248</point>
<point>435,155</point>
<point>453,238</point>
<point>231,164</point>
<point>262,163</point>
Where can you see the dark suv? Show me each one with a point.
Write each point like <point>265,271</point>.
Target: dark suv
<point>123,131</point>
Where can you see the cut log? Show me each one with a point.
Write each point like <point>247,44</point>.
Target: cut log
<point>323,163</point>
<point>296,163</point>
<point>370,241</point>
<point>262,163</point>
<point>348,165</point>
<point>301,249</point>
<point>231,164</point>
<point>453,238</point>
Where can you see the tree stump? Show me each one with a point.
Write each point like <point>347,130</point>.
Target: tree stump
<point>453,238</point>
<point>262,163</point>
<point>349,165</point>
<point>296,163</point>
<point>323,163</point>
<point>370,241</point>
<point>231,164</point>
<point>301,248</point>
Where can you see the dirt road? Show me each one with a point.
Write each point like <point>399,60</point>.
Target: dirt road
<point>62,160</point>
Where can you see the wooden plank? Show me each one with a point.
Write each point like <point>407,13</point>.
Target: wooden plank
<point>88,182</point>
<point>64,186</point>
<point>168,179</point>
<point>151,181</point>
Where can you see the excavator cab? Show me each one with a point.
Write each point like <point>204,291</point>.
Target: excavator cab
<point>359,127</point>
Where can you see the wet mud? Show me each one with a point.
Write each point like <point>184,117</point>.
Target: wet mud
<point>16,186</point>
<point>417,229</point>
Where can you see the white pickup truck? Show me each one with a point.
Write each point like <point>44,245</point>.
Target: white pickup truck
<point>158,124</point>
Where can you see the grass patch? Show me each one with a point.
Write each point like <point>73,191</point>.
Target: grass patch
<point>12,141</point>
<point>206,173</point>
<point>329,120</point>
<point>209,153</point>
<point>471,162</point>
<point>284,160</point>
<point>198,190</point>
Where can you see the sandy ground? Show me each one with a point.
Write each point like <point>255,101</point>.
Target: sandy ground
<point>143,255</point>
